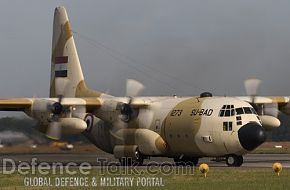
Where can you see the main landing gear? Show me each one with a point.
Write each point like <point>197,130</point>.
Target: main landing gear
<point>137,160</point>
<point>234,160</point>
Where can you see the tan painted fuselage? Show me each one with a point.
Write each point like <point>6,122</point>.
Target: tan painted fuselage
<point>188,126</point>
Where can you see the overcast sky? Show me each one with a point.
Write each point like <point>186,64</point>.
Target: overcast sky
<point>173,47</point>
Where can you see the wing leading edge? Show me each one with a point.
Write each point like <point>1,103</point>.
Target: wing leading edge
<point>22,104</point>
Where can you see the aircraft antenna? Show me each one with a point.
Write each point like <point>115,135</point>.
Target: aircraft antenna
<point>129,60</point>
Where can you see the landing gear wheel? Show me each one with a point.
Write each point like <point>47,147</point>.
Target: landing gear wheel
<point>234,160</point>
<point>186,161</point>
<point>137,160</point>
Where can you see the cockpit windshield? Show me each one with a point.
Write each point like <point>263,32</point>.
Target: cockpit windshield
<point>245,110</point>
<point>229,110</point>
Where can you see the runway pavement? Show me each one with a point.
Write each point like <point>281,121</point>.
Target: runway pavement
<point>250,160</point>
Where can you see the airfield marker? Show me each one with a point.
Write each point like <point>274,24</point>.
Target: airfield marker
<point>203,168</point>
<point>277,168</point>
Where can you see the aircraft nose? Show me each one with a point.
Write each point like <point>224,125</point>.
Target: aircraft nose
<point>251,136</point>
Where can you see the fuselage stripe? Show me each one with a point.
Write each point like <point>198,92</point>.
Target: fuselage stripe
<point>62,73</point>
<point>62,59</point>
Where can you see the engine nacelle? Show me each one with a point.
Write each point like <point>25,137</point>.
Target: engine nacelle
<point>72,126</point>
<point>148,142</point>
<point>121,151</point>
<point>269,122</point>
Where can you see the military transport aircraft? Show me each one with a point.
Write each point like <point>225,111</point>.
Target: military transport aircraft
<point>136,128</point>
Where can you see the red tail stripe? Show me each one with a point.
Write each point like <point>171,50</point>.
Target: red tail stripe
<point>59,60</point>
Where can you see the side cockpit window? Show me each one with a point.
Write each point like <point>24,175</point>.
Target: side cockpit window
<point>254,111</point>
<point>227,111</point>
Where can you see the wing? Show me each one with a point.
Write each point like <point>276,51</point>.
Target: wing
<point>15,104</point>
<point>23,104</point>
<point>280,100</point>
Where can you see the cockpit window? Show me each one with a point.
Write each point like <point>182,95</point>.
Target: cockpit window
<point>253,111</point>
<point>239,111</point>
<point>227,111</point>
<point>245,110</point>
<point>232,111</point>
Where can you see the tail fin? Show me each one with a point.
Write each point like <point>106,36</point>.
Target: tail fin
<point>65,64</point>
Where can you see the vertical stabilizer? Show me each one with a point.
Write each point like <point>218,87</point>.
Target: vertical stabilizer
<point>66,73</point>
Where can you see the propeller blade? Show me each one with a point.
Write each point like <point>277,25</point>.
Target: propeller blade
<point>133,88</point>
<point>271,109</point>
<point>61,86</point>
<point>54,130</point>
<point>60,97</point>
<point>251,86</point>
<point>146,116</point>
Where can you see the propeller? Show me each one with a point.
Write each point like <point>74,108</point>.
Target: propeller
<point>61,85</point>
<point>133,89</point>
<point>268,113</point>
<point>251,86</point>
<point>57,109</point>
<point>54,127</point>
<point>54,130</point>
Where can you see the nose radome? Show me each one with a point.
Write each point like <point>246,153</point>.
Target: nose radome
<point>251,136</point>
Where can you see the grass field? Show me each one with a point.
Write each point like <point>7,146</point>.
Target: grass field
<point>217,178</point>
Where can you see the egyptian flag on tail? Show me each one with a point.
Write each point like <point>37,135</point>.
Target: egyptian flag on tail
<point>60,66</point>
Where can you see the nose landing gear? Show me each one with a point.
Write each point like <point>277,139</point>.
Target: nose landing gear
<point>233,160</point>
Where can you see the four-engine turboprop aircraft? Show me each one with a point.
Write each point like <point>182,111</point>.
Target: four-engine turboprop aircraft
<point>136,128</point>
